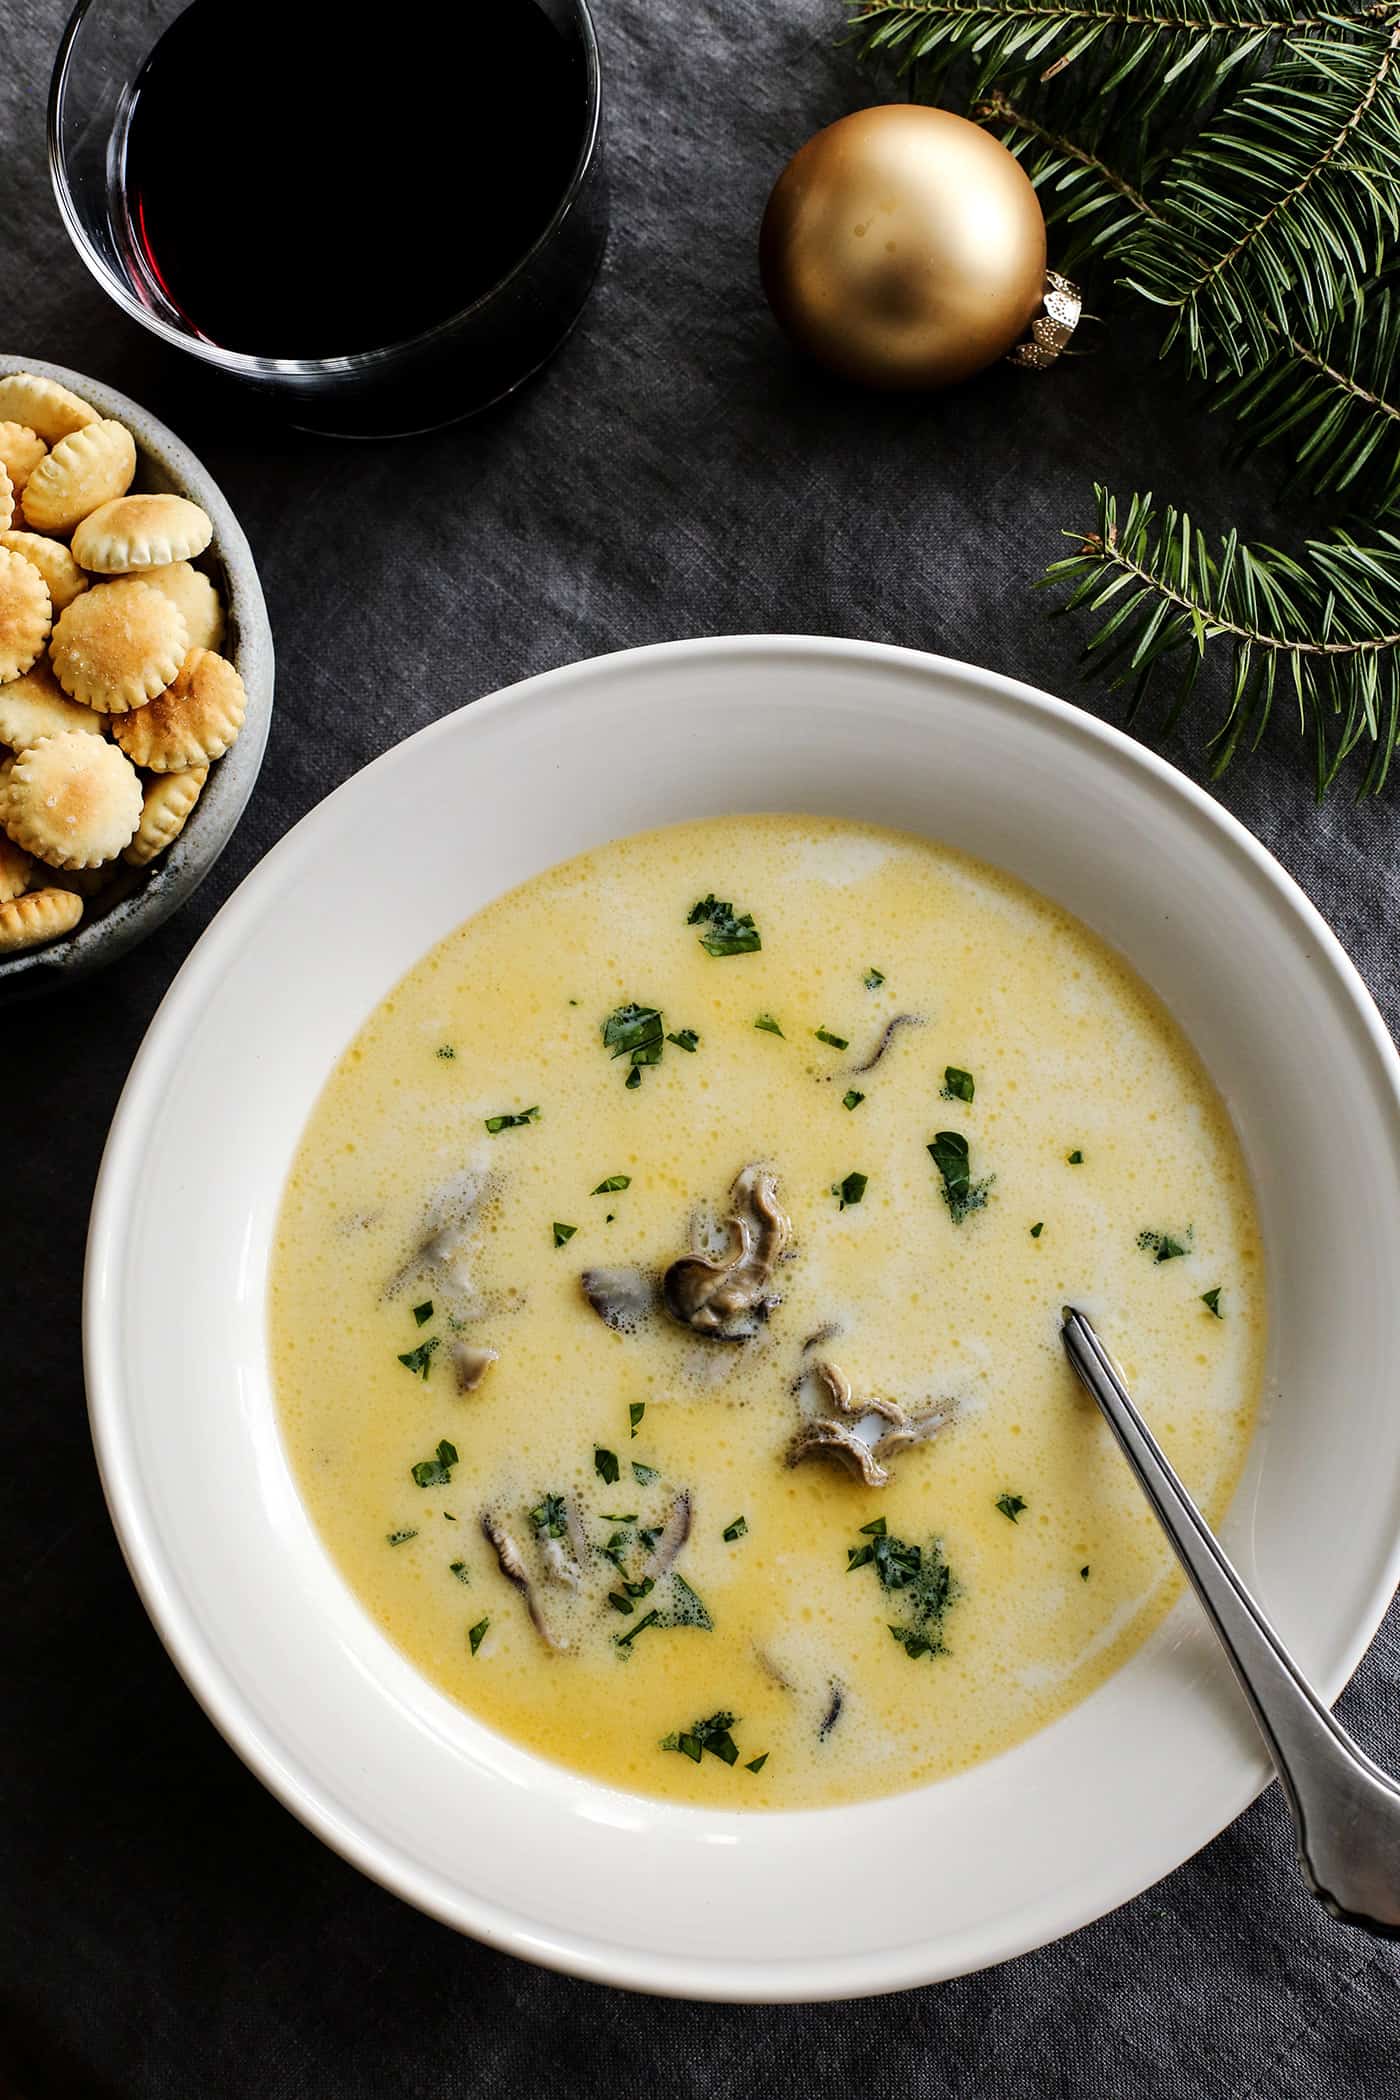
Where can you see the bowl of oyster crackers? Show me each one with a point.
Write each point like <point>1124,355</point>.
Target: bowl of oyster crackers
<point>136,674</point>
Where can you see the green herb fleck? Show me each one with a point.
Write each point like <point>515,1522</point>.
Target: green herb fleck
<point>460,1569</point>
<point>496,1124</point>
<point>769,1025</point>
<point>725,934</point>
<point>1211,1299</point>
<point>477,1634</point>
<point>619,1602</point>
<point>418,1360</point>
<point>874,979</point>
<point>562,1233</point>
<point>1036,1230</point>
<point>436,1472</point>
<point>605,1465</point>
<point>685,1039</point>
<point>424,1312</point>
<point>1075,1158</point>
<point>1011,1505</point>
<point>851,1099</point>
<point>644,1475</point>
<point>711,1734</point>
<point>851,1190</point>
<point>611,1186</point>
<point>632,1029</point>
<point>401,1538</point>
<point>736,1530</point>
<point>635,1032</point>
<point>963,1195</point>
<point>625,1640</point>
<point>756,1764</point>
<point>1163,1246</point>
<point>919,1575</point>
<point>837,1042</point>
<point>446,1051</point>
<point>958,1085</point>
<point>1084,1572</point>
<point>550,1516</point>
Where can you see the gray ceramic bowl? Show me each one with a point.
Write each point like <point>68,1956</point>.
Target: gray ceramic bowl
<point>163,463</point>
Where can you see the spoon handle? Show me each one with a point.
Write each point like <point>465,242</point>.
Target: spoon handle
<point>1346,1810</point>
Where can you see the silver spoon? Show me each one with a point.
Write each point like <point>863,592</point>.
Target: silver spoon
<point>1346,1810</point>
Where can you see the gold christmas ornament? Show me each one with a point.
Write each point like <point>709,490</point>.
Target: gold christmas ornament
<point>904,247</point>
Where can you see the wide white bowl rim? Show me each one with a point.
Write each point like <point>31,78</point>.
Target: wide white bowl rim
<point>592,1957</point>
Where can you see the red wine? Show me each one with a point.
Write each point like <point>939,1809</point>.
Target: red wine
<point>297,188</point>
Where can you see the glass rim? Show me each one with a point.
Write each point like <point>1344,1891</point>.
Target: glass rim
<point>248,364</point>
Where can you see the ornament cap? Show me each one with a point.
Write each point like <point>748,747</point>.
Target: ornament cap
<point>1061,306</point>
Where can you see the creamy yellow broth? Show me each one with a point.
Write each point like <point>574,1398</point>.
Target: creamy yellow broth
<point>1072,1060</point>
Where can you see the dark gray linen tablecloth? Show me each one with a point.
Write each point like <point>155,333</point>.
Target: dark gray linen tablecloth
<point>167,1931</point>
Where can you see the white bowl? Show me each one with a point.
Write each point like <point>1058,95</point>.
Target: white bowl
<point>490,1839</point>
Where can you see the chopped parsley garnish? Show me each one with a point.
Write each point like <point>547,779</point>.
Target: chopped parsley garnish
<point>446,1051</point>
<point>550,1516</point>
<point>477,1634</point>
<point>874,979</point>
<point>644,1475</point>
<point>635,1032</point>
<point>961,1193</point>
<point>769,1025</point>
<point>851,1098</point>
<point>619,1602</point>
<point>851,1190</point>
<point>711,1734</point>
<point>418,1360</point>
<point>496,1124</point>
<point>1163,1246</point>
<point>756,1764</point>
<point>919,1575</point>
<point>914,1643</point>
<point>625,1640</point>
<point>837,1042</point>
<point>685,1039</point>
<point>611,1186</point>
<point>1011,1505</point>
<point>895,1563</point>
<point>725,933</point>
<point>635,1411</point>
<point>605,1465</point>
<point>1075,1158</point>
<point>1211,1300</point>
<point>401,1538</point>
<point>633,1079</point>
<point>957,1085</point>
<point>460,1569</point>
<point>562,1233</point>
<point>736,1530</point>
<point>424,1312</point>
<point>1036,1230</point>
<point>436,1472</point>
<point>1084,1572</point>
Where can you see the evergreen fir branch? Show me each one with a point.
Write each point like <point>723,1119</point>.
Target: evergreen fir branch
<point>1322,630</point>
<point>1277,214</point>
<point>1093,205</point>
<point>1334,402</point>
<point>1151,46</point>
